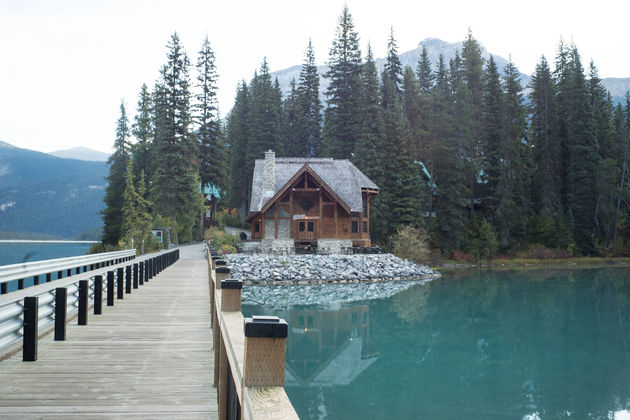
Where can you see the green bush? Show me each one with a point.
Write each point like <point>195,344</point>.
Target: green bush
<point>229,219</point>
<point>412,243</point>
<point>222,240</point>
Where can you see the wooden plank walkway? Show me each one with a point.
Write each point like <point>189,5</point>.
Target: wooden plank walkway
<point>148,356</point>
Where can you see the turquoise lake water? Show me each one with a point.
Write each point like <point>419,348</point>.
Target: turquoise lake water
<point>17,252</point>
<point>544,344</point>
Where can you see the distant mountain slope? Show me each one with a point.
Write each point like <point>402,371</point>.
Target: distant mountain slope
<point>46,194</point>
<point>81,153</point>
<point>435,47</point>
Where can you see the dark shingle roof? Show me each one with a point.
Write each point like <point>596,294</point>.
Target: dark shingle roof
<point>340,175</point>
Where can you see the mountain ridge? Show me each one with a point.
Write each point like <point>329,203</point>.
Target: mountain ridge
<point>616,86</point>
<point>81,153</point>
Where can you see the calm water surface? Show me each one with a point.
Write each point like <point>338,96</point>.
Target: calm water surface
<point>491,345</point>
<point>17,252</point>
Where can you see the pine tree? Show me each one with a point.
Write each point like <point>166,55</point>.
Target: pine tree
<point>175,183</point>
<point>212,149</point>
<point>543,135</point>
<point>238,128</point>
<point>424,72</point>
<point>309,117</point>
<point>295,144</point>
<point>143,130</point>
<point>112,215</point>
<point>583,157</point>
<point>342,125</point>
<point>136,210</point>
<point>393,66</point>
<point>369,147</point>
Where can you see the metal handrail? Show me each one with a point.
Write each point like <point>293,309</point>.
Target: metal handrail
<point>36,268</point>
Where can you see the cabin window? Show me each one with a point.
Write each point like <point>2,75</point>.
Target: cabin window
<point>364,227</point>
<point>365,207</point>
<point>354,227</point>
<point>257,227</point>
<point>301,226</point>
<point>311,226</point>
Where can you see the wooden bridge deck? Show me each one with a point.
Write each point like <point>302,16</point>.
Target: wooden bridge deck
<point>148,356</point>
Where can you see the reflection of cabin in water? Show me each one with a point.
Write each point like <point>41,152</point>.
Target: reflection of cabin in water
<point>328,347</point>
<point>316,201</point>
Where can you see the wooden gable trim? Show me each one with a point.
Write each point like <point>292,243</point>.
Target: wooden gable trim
<point>295,177</point>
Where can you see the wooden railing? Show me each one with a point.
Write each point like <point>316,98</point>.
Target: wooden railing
<point>249,353</point>
<point>61,266</point>
<point>26,315</point>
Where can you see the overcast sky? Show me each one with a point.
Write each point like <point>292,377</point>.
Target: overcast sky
<point>67,64</point>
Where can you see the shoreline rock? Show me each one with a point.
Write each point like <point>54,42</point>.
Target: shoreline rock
<point>321,269</point>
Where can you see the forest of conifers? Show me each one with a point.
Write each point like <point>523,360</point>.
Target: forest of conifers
<point>460,148</point>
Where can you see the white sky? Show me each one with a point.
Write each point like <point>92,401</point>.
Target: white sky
<point>66,64</point>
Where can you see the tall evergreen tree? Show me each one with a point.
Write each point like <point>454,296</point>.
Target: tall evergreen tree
<point>112,215</point>
<point>238,129</point>
<point>309,117</point>
<point>143,130</point>
<point>393,66</point>
<point>294,143</point>
<point>424,72</point>
<point>175,182</point>
<point>543,135</point>
<point>212,149</point>
<point>342,124</point>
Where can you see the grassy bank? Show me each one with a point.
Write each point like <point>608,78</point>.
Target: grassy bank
<point>536,263</point>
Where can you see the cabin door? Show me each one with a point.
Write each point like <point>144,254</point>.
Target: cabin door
<point>306,230</point>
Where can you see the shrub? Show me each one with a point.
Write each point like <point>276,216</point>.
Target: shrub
<point>411,243</point>
<point>227,218</point>
<point>220,239</point>
<point>459,255</point>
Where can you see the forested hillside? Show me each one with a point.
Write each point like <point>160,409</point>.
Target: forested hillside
<point>503,175</point>
<point>452,143</point>
<point>43,194</point>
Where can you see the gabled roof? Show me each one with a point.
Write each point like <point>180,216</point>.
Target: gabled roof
<point>343,178</point>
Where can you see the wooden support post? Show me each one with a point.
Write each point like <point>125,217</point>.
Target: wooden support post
<point>222,387</point>
<point>265,351</point>
<point>336,229</point>
<point>222,272</point>
<point>275,220</point>
<point>98,295</point>
<point>84,291</point>
<point>31,327</point>
<point>141,273</point>
<point>231,295</point>
<point>61,313</point>
<point>110,288</point>
<point>119,283</point>
<point>128,279</point>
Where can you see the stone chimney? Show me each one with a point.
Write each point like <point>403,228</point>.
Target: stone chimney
<point>269,179</point>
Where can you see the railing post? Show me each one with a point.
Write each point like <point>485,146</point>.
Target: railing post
<point>31,321</point>
<point>61,313</point>
<point>147,271</point>
<point>3,289</point>
<point>110,288</point>
<point>84,291</point>
<point>135,275</point>
<point>141,272</point>
<point>128,279</point>
<point>48,277</point>
<point>265,351</point>
<point>98,295</point>
<point>222,272</point>
<point>231,295</point>
<point>35,280</point>
<point>119,283</point>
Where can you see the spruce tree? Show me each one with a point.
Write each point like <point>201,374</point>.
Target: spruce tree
<point>295,144</point>
<point>342,124</point>
<point>112,215</point>
<point>212,149</point>
<point>238,129</point>
<point>393,66</point>
<point>309,117</point>
<point>424,72</point>
<point>143,130</point>
<point>175,182</point>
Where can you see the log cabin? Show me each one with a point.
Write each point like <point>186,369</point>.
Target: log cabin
<point>320,203</point>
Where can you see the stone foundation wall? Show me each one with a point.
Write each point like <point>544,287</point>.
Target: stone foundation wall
<point>268,246</point>
<point>332,246</point>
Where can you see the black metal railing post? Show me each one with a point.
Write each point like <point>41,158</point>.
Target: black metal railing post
<point>128,279</point>
<point>61,313</point>
<point>31,327</point>
<point>141,272</point>
<point>119,283</point>
<point>84,291</point>
<point>135,275</point>
<point>98,295</point>
<point>110,288</point>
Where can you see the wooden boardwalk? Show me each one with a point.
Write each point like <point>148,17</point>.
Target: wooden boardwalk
<point>148,356</point>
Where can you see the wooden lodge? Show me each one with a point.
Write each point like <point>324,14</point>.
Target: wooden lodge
<point>318,201</point>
